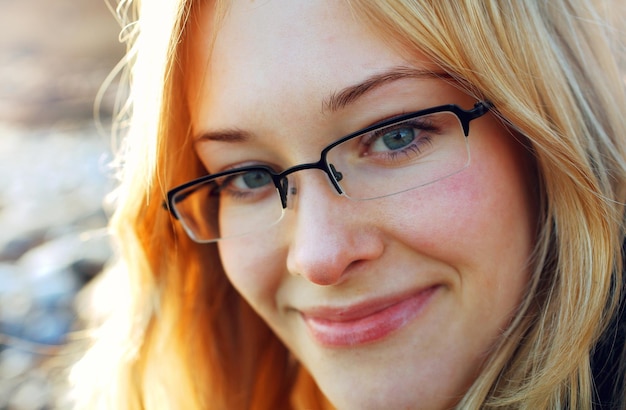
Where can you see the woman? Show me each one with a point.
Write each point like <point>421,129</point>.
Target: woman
<point>456,244</point>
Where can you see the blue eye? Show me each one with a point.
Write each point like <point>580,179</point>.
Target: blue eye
<point>403,142</point>
<point>252,180</point>
<point>394,139</point>
<point>252,185</point>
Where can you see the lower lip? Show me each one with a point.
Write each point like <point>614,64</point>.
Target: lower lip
<point>373,327</point>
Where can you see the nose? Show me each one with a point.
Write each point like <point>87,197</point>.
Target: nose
<point>330,234</point>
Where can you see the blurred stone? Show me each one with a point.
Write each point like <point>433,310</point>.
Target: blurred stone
<point>48,326</point>
<point>32,394</point>
<point>14,306</point>
<point>87,269</point>
<point>54,289</point>
<point>16,300</point>
<point>7,386</point>
<point>50,180</point>
<point>54,56</point>
<point>37,293</point>
<point>61,253</point>
<point>17,247</point>
<point>14,362</point>
<point>53,239</point>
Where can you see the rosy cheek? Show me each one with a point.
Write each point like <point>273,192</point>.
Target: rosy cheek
<point>437,216</point>
<point>252,266</point>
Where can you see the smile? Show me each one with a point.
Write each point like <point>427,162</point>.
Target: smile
<point>364,323</point>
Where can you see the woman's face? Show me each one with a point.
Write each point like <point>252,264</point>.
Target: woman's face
<point>389,303</point>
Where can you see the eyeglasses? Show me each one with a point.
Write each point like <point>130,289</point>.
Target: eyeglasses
<point>394,156</point>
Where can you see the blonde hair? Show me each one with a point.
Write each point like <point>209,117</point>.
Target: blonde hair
<point>185,339</point>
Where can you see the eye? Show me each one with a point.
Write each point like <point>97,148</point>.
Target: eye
<point>251,180</point>
<point>245,186</point>
<point>409,137</point>
<point>401,143</point>
<point>394,139</point>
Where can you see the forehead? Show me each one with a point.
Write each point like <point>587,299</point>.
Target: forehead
<point>269,51</point>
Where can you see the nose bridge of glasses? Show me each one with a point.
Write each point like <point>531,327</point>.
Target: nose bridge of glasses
<point>286,190</point>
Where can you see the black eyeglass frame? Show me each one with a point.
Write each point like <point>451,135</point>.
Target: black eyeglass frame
<point>280,179</point>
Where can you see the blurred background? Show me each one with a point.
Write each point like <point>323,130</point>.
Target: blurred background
<point>54,174</point>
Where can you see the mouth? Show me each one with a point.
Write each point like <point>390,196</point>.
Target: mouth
<point>364,323</point>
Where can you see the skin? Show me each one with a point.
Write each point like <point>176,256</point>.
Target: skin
<point>461,244</point>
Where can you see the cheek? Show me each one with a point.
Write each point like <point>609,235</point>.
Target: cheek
<point>441,218</point>
<point>253,267</point>
<point>480,221</point>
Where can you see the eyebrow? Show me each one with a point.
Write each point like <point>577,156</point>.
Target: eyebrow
<point>223,135</point>
<point>348,95</point>
<point>337,100</point>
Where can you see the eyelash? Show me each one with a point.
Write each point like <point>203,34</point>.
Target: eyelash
<point>415,147</point>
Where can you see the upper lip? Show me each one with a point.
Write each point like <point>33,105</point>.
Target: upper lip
<point>357,310</point>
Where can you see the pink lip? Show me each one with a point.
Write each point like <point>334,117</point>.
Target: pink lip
<point>366,322</point>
